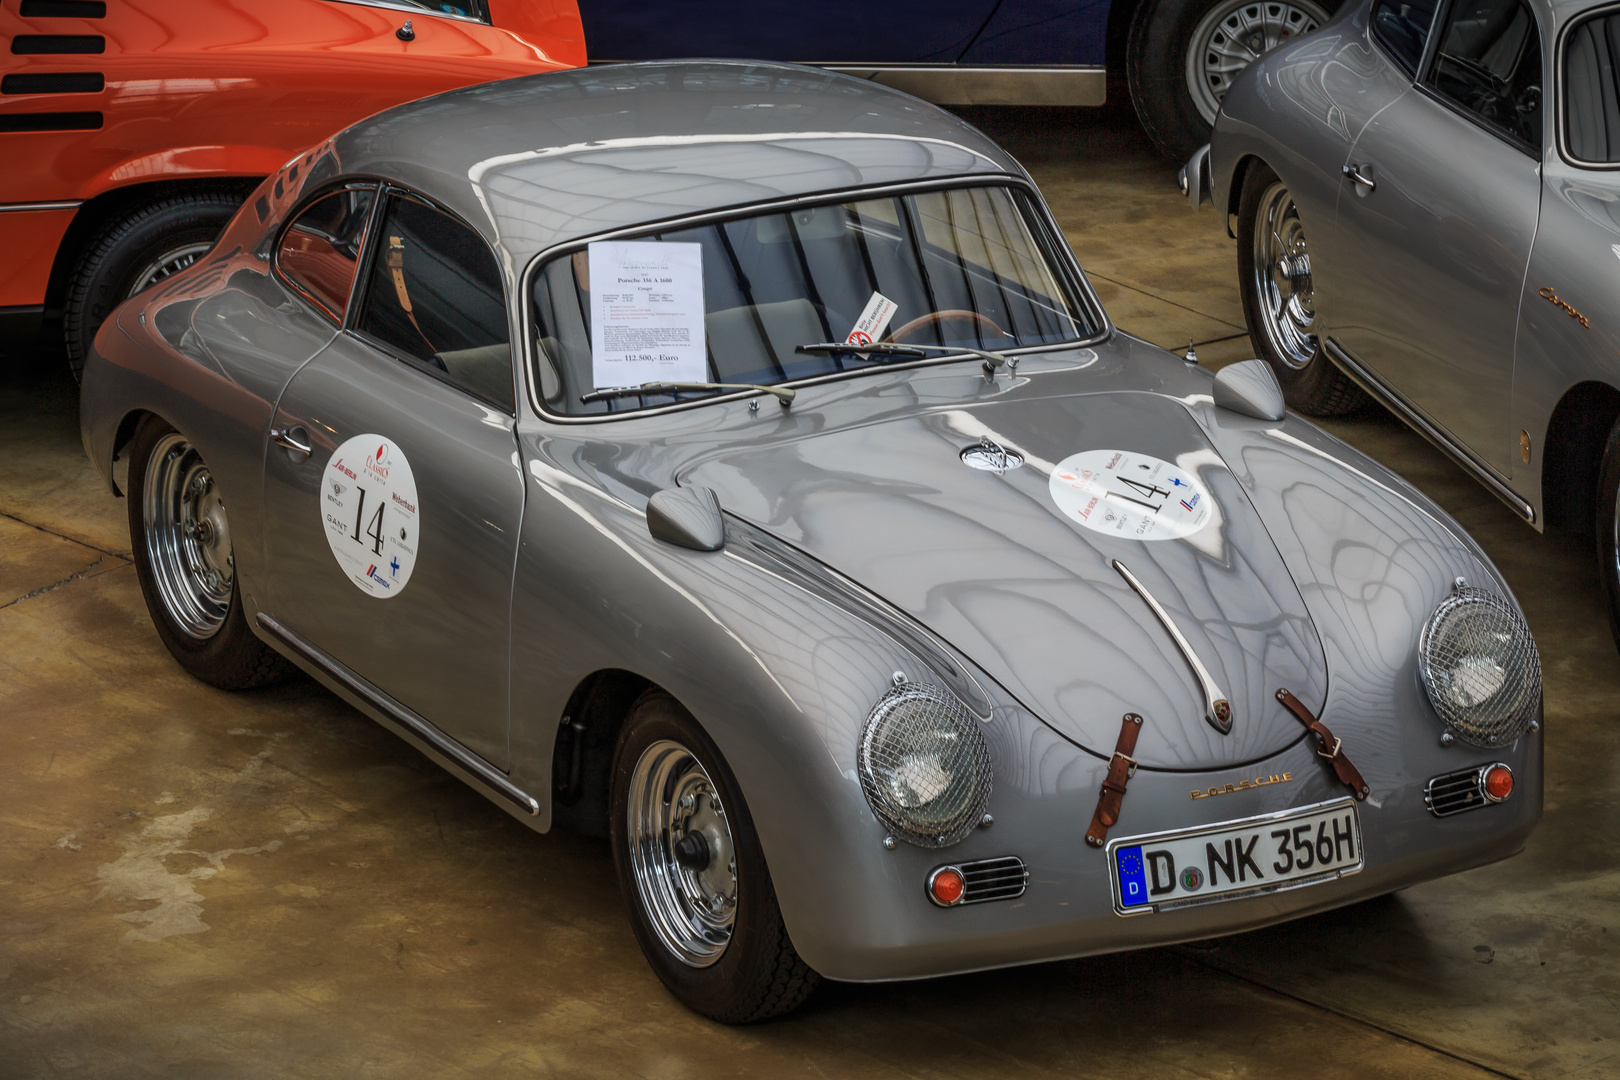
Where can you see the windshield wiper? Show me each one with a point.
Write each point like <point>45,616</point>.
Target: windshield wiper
<point>992,360</point>
<point>784,394</point>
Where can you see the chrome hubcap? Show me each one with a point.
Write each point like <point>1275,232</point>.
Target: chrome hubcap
<point>681,853</point>
<point>1282,278</point>
<point>1232,36</point>
<point>168,263</point>
<point>188,539</point>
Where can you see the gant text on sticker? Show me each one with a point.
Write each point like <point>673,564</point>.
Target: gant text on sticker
<point>873,321</point>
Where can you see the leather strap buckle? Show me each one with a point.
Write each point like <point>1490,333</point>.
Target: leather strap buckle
<point>1121,767</point>
<point>1341,765</point>
<point>1330,754</point>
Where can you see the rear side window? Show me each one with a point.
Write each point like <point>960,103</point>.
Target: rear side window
<point>434,298</point>
<point>1403,28</point>
<point>1489,64</point>
<point>319,250</point>
<point>1591,108</point>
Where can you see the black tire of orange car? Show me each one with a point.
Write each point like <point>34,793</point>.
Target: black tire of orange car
<point>1608,529</point>
<point>1156,67</point>
<point>1318,388</point>
<point>759,975</point>
<point>232,658</point>
<point>127,246</point>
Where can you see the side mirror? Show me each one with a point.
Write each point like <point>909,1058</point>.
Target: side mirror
<point>1250,387</point>
<point>687,517</point>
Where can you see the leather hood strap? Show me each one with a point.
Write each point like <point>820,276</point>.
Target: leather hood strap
<point>1327,747</point>
<point>1121,767</point>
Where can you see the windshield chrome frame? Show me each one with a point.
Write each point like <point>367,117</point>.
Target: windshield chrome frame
<point>1065,266</point>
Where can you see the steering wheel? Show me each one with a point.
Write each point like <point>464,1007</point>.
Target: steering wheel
<point>933,318</point>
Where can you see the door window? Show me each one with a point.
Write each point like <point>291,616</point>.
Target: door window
<point>461,9</point>
<point>1489,64</point>
<point>318,252</point>
<point>1592,90</point>
<point>434,299</point>
<point>1403,28</point>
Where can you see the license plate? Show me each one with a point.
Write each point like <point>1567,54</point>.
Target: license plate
<point>1210,863</point>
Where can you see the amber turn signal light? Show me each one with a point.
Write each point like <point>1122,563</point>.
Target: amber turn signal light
<point>946,886</point>
<point>1497,782</point>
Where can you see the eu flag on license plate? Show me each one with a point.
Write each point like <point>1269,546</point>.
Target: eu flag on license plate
<point>1131,876</point>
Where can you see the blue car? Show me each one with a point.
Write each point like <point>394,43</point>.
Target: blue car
<point>1179,55</point>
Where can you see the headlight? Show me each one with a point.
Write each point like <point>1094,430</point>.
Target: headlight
<point>1480,667</point>
<point>925,766</point>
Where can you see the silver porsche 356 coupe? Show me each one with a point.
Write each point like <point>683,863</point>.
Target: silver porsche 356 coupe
<point>1428,211</point>
<point>732,459</point>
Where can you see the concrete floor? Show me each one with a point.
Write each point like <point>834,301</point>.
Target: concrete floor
<point>195,883</point>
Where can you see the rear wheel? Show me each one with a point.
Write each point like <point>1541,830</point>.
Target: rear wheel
<point>693,874</point>
<point>1183,55</point>
<point>186,564</point>
<point>1279,298</point>
<point>1608,529</point>
<point>135,252</point>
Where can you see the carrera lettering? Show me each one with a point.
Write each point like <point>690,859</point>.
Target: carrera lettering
<point>1548,294</point>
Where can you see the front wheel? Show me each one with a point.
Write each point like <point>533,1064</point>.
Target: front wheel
<point>1183,55</point>
<point>693,874</point>
<point>186,565</point>
<point>1279,298</point>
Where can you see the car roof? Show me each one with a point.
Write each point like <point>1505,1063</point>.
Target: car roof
<point>541,160</point>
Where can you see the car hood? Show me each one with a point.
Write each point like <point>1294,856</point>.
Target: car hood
<point>991,563</point>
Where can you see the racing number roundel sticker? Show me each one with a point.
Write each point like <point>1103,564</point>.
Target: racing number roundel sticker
<point>1124,493</point>
<point>369,508</point>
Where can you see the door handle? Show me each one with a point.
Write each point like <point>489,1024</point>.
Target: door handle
<point>1361,176</point>
<point>294,440</point>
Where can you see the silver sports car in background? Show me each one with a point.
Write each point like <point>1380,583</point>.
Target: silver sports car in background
<point>1427,211</point>
<point>733,460</point>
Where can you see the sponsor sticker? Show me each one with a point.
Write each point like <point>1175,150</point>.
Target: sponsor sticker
<point>369,510</point>
<point>1127,494</point>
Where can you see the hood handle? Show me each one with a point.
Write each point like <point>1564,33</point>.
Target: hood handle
<point>1217,710</point>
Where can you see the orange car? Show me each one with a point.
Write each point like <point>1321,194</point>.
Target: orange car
<point>131,130</point>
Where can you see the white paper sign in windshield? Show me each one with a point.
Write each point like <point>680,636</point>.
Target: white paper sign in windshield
<point>646,313</point>
<point>873,321</point>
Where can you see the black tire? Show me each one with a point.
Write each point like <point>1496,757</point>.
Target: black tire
<point>229,656</point>
<point>1608,529</point>
<point>126,251</point>
<point>1311,383</point>
<point>758,974</point>
<point>1156,60</point>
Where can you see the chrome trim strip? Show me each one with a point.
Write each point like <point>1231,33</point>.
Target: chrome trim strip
<point>6,208</point>
<point>1222,826</point>
<point>412,9</point>
<point>1217,710</point>
<point>441,743</point>
<point>1392,400</point>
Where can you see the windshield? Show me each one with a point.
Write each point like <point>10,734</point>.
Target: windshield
<point>731,302</point>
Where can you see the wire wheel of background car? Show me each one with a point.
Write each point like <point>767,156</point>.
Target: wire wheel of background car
<point>1183,55</point>
<point>1279,298</point>
<point>135,251</point>
<point>693,874</point>
<point>1232,36</point>
<point>186,564</point>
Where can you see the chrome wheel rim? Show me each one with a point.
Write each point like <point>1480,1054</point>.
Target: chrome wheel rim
<point>1232,36</point>
<point>188,539</point>
<point>168,263</point>
<point>673,807</point>
<point>1282,278</point>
